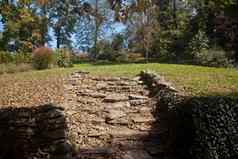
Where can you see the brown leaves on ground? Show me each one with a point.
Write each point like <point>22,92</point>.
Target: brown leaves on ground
<point>31,88</point>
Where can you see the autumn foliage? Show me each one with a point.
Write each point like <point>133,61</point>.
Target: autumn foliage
<point>42,58</point>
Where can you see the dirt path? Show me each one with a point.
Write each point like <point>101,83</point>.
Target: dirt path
<point>111,118</point>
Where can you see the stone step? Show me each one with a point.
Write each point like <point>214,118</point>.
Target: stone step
<point>99,153</point>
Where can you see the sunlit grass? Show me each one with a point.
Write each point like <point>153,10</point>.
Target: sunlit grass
<point>194,80</point>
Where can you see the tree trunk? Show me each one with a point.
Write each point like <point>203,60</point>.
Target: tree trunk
<point>175,13</point>
<point>95,51</point>
<point>58,38</point>
<point>44,26</point>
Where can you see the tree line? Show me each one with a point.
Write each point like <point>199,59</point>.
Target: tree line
<point>202,32</point>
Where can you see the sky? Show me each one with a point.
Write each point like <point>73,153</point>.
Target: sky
<point>1,26</point>
<point>107,34</point>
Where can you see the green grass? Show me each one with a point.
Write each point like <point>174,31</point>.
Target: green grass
<point>194,80</point>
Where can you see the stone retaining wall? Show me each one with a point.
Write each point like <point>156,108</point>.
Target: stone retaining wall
<point>38,132</point>
<point>199,127</point>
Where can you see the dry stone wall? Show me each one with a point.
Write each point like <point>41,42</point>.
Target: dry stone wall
<point>199,127</point>
<point>33,133</point>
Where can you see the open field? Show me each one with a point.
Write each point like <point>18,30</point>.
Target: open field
<point>38,87</point>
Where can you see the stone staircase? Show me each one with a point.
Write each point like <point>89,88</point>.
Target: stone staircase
<point>111,118</point>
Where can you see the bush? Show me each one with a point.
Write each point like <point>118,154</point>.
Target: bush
<point>122,57</point>
<point>42,58</point>
<point>6,57</point>
<point>84,57</point>
<point>22,57</point>
<point>214,57</point>
<point>165,45</point>
<point>64,58</point>
<point>197,46</point>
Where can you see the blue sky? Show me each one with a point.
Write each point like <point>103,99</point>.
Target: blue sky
<point>1,26</point>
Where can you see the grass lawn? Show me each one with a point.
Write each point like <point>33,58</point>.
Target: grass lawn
<point>38,87</point>
<point>194,80</point>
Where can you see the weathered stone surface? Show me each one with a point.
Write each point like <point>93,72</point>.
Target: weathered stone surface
<point>120,132</point>
<point>32,133</point>
<point>142,119</point>
<point>121,121</point>
<point>116,98</point>
<point>95,95</point>
<point>135,97</point>
<point>136,155</point>
<point>138,102</point>
<point>115,114</point>
<point>117,105</point>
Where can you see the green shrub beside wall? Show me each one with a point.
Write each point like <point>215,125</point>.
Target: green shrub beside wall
<point>216,128</point>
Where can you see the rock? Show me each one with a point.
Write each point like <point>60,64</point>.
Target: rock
<point>121,121</point>
<point>115,114</point>
<point>101,152</point>
<point>116,98</point>
<point>134,97</point>
<point>101,85</point>
<point>97,95</point>
<point>117,105</point>
<point>142,119</point>
<point>138,102</point>
<point>124,132</point>
<point>136,155</point>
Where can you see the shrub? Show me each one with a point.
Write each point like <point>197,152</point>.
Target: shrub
<point>122,57</point>
<point>22,57</point>
<point>6,57</point>
<point>64,58</point>
<point>214,57</point>
<point>42,58</point>
<point>84,57</point>
<point>197,46</point>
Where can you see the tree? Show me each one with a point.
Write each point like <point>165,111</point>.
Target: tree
<point>64,16</point>
<point>44,6</point>
<point>21,25</point>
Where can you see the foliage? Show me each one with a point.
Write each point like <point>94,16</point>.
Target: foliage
<point>112,51</point>
<point>105,51</point>
<point>23,57</point>
<point>64,58</point>
<point>166,30</point>
<point>214,57</point>
<point>42,58</point>
<point>16,57</point>
<point>6,57</point>
<point>122,56</point>
<point>21,26</point>
<point>118,42</point>
<point>198,45</point>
